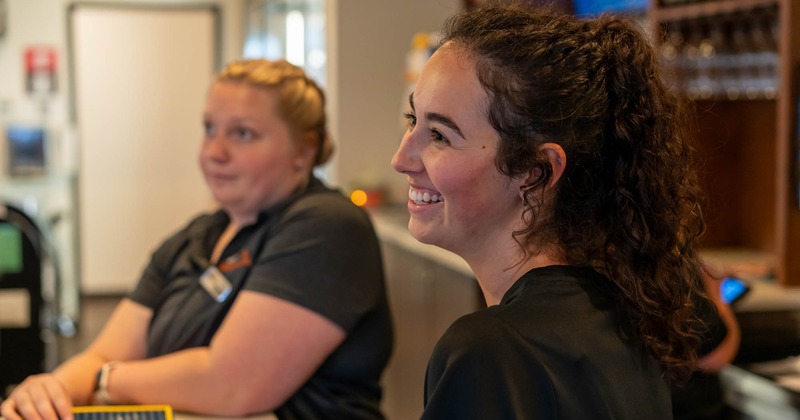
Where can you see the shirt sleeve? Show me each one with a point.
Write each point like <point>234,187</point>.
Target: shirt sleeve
<point>477,372</point>
<point>324,256</point>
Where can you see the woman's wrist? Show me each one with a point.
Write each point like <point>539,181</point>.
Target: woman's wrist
<point>101,394</point>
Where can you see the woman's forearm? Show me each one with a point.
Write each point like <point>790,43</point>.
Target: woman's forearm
<point>726,351</point>
<point>78,376</point>
<point>186,380</point>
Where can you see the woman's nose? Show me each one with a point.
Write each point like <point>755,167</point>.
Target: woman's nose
<point>406,158</point>
<point>214,147</point>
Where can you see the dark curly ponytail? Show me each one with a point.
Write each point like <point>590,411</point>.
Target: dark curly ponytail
<point>654,194</point>
<point>628,202</point>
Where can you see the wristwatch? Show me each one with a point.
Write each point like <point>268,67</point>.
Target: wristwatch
<point>101,395</point>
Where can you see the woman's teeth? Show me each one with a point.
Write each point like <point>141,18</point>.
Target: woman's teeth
<point>424,197</point>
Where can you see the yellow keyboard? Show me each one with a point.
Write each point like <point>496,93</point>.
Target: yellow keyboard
<point>123,412</point>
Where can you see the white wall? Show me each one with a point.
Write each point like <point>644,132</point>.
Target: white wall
<point>35,22</point>
<point>44,22</point>
<point>32,22</point>
<point>141,76</point>
<point>29,23</point>
<point>366,85</point>
<point>367,47</point>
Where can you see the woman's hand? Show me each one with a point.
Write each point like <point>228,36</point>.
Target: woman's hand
<point>52,395</point>
<point>38,397</point>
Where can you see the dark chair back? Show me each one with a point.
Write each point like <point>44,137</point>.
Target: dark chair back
<point>22,347</point>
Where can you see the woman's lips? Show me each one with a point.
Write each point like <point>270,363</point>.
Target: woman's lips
<point>221,177</point>
<point>421,197</point>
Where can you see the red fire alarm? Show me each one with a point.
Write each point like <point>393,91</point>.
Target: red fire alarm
<point>40,69</point>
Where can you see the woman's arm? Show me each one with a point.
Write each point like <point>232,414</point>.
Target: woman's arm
<point>263,352</point>
<point>124,337</point>
<point>42,396</point>
<point>726,351</point>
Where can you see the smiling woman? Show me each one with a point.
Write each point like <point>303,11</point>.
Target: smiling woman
<point>546,152</point>
<point>448,153</point>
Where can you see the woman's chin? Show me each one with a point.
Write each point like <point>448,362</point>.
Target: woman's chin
<point>226,202</point>
<point>223,195</point>
<point>421,234</point>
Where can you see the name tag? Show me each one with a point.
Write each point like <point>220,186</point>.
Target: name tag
<point>215,284</point>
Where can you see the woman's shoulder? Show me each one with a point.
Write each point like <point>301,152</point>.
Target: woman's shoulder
<point>483,342</point>
<point>206,220</point>
<point>195,227</point>
<point>479,332</point>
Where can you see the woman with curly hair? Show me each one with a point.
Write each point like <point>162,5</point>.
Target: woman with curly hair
<point>547,152</point>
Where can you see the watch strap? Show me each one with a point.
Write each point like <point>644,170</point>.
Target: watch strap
<point>101,395</point>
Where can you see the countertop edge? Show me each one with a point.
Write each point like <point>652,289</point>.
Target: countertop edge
<point>389,230</point>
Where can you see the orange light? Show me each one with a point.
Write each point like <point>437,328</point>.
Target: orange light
<point>358,197</point>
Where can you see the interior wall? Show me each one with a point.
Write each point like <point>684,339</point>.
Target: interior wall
<point>140,80</point>
<point>44,22</point>
<point>367,51</point>
<point>368,41</point>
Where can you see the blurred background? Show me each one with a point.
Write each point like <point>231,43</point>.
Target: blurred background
<point>100,121</point>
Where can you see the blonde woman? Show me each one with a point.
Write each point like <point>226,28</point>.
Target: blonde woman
<point>275,303</point>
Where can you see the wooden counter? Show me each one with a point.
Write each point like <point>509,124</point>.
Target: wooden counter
<point>428,289</point>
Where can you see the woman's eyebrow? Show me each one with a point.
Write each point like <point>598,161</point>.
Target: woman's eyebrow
<point>445,120</point>
<point>440,118</point>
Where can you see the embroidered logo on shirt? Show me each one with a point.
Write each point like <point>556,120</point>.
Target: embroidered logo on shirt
<point>235,261</point>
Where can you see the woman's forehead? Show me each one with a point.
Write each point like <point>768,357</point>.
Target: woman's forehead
<point>450,76</point>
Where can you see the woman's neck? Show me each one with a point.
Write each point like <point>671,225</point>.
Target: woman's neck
<point>496,274</point>
<point>242,215</point>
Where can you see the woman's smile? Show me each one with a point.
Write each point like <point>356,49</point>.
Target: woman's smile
<point>420,196</point>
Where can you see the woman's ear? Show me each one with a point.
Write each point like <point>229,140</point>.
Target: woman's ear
<point>558,162</point>
<point>557,158</point>
<point>307,150</point>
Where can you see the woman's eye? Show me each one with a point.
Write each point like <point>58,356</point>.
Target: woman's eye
<point>243,134</point>
<point>411,119</point>
<point>438,137</point>
<point>209,129</point>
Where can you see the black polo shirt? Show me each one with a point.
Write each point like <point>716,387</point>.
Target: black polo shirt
<point>555,347</point>
<point>315,249</point>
